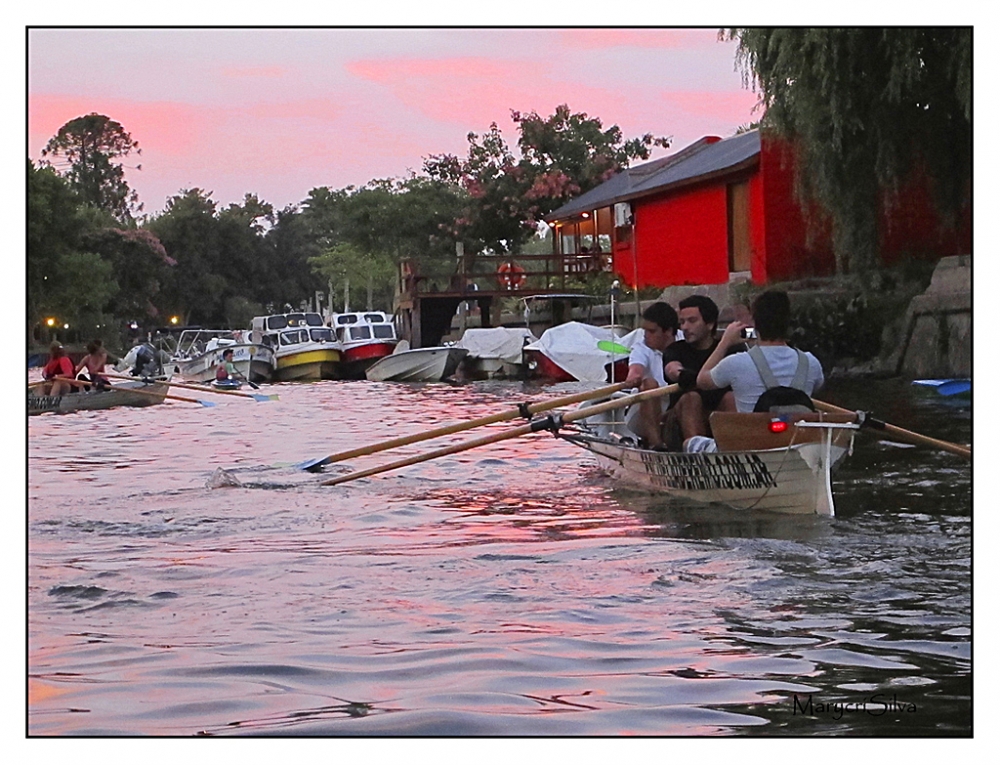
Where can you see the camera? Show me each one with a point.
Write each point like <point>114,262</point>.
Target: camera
<point>749,333</point>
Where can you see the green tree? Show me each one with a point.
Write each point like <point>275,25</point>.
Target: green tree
<point>189,231</point>
<point>866,106</point>
<point>88,148</point>
<point>65,281</point>
<point>345,266</point>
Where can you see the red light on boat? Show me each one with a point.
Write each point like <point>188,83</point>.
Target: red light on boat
<point>778,426</point>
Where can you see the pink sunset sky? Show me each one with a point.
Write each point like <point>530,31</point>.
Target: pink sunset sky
<point>277,112</point>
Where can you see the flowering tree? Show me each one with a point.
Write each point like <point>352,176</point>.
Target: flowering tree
<point>561,156</point>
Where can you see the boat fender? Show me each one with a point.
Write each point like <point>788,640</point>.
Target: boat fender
<point>551,422</point>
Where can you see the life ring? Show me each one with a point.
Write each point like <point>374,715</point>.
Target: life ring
<point>510,275</point>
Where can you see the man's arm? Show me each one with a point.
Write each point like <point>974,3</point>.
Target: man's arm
<point>635,374</point>
<point>732,336</point>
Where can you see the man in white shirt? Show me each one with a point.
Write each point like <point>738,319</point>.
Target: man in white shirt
<point>645,371</point>
<point>771,314</point>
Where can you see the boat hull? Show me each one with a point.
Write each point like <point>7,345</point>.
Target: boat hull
<point>417,365</point>
<point>540,366</point>
<point>355,360</point>
<point>793,479</point>
<point>122,395</point>
<point>252,361</point>
<point>310,364</point>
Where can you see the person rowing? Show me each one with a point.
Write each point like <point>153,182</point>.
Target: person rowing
<point>227,371</point>
<point>59,365</point>
<point>93,363</point>
<point>645,372</point>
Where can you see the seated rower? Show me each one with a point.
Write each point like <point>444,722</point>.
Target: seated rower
<point>59,365</point>
<point>690,409</point>
<point>788,376</point>
<point>94,363</point>
<point>645,371</point>
<point>227,369</point>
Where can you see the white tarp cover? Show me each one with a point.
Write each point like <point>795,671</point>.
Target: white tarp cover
<point>573,346</point>
<point>502,343</point>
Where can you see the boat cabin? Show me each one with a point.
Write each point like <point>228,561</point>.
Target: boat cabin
<point>285,329</point>
<point>363,326</point>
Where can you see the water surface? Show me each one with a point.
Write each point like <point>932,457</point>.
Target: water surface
<point>509,590</point>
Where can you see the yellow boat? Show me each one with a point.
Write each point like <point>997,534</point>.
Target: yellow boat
<point>304,348</point>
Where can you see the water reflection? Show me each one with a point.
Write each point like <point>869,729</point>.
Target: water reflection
<point>504,591</point>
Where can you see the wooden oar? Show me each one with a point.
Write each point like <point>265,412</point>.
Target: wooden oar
<point>255,396</point>
<point>545,423</point>
<point>903,435</point>
<point>140,391</point>
<point>509,414</point>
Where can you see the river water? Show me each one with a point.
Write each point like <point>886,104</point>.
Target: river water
<point>508,590</point>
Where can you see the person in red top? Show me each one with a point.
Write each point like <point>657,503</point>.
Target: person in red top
<point>60,365</point>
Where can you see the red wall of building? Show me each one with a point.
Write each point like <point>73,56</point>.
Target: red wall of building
<point>792,250</point>
<point>683,239</point>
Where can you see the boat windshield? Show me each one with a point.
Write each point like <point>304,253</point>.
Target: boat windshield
<point>375,317</point>
<point>361,333</point>
<point>383,331</point>
<point>292,337</point>
<point>347,318</point>
<point>321,335</point>
<point>314,320</point>
<point>277,322</point>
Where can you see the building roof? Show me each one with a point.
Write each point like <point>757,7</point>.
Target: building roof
<point>706,158</point>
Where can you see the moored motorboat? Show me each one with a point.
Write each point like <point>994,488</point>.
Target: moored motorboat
<point>199,353</point>
<point>577,351</point>
<point>417,364</point>
<point>495,352</point>
<point>364,337</point>
<point>778,463</point>
<point>139,392</point>
<point>304,347</point>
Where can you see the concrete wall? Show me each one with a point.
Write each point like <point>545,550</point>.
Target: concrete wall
<point>937,336</point>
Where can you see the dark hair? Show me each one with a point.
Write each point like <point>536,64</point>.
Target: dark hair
<point>771,314</point>
<point>663,315</point>
<point>227,352</point>
<point>706,307</point>
<point>92,347</point>
<point>56,350</point>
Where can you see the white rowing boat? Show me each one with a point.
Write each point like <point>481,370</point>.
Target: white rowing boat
<point>779,463</point>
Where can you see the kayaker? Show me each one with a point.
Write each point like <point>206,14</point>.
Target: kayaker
<point>227,369</point>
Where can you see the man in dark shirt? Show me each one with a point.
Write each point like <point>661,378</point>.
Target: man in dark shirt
<point>699,317</point>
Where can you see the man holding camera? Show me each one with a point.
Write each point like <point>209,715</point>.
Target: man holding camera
<point>689,409</point>
<point>788,366</point>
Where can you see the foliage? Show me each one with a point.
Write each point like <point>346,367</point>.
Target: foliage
<point>866,105</point>
<point>562,156</point>
<point>89,148</point>
<point>346,266</point>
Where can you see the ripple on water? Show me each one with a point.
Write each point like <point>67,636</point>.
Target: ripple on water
<point>503,591</point>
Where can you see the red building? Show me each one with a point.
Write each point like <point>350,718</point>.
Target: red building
<point>720,208</point>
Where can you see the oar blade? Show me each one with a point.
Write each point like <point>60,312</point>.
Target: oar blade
<point>314,466</point>
<point>265,397</point>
